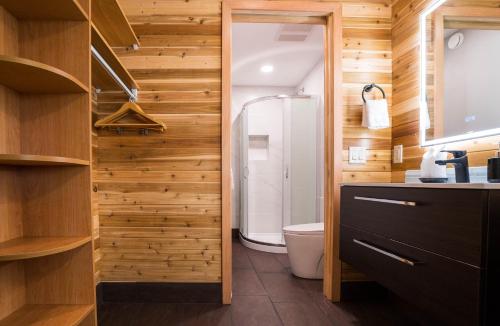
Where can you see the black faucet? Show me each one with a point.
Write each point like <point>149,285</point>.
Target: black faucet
<point>461,162</point>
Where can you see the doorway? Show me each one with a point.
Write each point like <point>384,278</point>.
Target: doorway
<point>304,12</point>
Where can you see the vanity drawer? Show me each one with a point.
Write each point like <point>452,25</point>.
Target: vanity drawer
<point>447,289</point>
<point>449,222</point>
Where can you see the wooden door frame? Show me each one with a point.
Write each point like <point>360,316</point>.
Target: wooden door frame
<point>332,13</point>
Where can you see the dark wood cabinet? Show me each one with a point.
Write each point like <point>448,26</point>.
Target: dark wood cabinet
<point>437,248</point>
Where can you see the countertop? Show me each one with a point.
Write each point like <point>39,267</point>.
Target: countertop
<point>428,185</point>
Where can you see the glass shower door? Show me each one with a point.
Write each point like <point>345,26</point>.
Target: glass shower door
<point>244,172</point>
<point>303,157</point>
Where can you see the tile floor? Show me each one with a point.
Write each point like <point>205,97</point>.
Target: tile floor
<point>264,294</point>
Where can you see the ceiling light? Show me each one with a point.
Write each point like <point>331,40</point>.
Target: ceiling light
<point>266,69</point>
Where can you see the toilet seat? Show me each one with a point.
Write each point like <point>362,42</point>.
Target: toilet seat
<point>305,229</point>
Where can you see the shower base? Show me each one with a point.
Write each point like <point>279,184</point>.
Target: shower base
<point>267,242</point>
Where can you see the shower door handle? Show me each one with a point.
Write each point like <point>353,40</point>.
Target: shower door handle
<point>286,172</point>
<point>246,172</point>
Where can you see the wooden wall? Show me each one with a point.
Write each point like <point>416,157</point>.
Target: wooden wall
<point>160,195</point>
<point>405,120</point>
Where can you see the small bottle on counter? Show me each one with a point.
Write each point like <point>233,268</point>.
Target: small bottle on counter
<point>494,168</point>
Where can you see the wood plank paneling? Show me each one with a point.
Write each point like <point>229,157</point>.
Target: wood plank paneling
<point>160,195</point>
<point>405,113</point>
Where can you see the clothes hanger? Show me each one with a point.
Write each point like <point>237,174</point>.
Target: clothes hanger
<point>148,122</point>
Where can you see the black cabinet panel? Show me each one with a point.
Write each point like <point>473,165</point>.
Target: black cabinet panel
<point>448,222</point>
<point>447,289</point>
<point>437,248</point>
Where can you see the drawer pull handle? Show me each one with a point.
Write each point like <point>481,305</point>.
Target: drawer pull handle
<point>385,253</point>
<point>387,201</point>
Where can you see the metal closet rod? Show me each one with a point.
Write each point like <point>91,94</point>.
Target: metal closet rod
<point>131,92</point>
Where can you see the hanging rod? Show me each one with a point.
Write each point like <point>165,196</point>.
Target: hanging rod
<point>131,92</point>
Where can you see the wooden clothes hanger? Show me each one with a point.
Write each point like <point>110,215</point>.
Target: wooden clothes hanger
<point>148,122</point>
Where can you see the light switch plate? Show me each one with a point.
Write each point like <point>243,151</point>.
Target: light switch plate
<point>357,155</point>
<point>397,154</point>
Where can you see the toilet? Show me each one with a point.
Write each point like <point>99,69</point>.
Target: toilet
<point>305,245</point>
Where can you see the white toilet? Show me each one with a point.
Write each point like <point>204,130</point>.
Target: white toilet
<point>305,245</point>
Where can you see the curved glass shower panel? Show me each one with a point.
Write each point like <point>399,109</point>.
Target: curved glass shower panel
<point>262,158</point>
<point>280,166</point>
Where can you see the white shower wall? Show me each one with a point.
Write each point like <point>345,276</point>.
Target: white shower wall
<point>265,179</point>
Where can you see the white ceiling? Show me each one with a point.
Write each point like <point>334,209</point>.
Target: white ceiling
<point>255,45</point>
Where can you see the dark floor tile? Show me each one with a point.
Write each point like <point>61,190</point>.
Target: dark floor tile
<point>371,312</point>
<point>283,259</point>
<point>246,282</point>
<point>124,314</point>
<point>283,287</point>
<point>253,311</point>
<point>312,286</point>
<point>240,257</point>
<point>335,313</point>
<point>206,314</point>
<point>265,262</point>
<point>301,314</point>
<point>162,314</point>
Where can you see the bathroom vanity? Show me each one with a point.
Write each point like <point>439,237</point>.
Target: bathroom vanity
<point>435,245</point>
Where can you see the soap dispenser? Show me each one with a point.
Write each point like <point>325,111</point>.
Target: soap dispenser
<point>430,172</point>
<point>494,168</point>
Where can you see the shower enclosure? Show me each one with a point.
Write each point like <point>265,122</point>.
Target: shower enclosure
<point>281,168</point>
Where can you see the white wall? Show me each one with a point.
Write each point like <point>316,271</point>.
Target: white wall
<point>241,95</point>
<point>472,76</point>
<point>314,84</point>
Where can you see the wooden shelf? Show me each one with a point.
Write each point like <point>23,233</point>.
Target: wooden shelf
<point>50,10</point>
<point>48,315</point>
<point>100,77</point>
<point>109,18</point>
<point>25,248</point>
<point>28,76</point>
<point>39,160</point>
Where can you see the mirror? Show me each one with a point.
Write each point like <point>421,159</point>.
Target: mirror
<point>460,73</point>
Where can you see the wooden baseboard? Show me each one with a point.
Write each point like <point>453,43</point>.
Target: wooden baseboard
<point>108,292</point>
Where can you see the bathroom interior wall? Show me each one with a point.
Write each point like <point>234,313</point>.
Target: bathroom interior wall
<point>160,195</point>
<point>405,118</point>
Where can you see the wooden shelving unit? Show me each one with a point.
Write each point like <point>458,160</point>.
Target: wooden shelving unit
<point>48,315</point>
<point>38,160</point>
<point>100,77</point>
<point>25,248</point>
<point>43,78</point>
<point>53,9</point>
<point>46,250</point>
<point>108,17</point>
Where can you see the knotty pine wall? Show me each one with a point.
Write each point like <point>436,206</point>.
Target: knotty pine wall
<point>160,195</point>
<point>405,119</point>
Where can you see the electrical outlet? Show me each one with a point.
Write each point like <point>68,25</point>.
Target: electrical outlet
<point>397,154</point>
<point>357,155</point>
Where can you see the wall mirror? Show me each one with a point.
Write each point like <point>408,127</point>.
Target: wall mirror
<point>460,73</point>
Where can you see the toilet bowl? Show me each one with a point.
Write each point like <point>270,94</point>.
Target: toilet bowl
<point>305,245</point>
